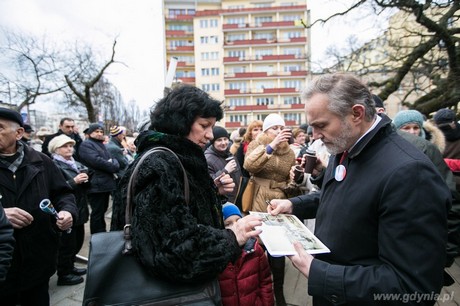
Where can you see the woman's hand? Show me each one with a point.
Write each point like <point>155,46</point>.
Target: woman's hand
<point>282,136</point>
<point>244,228</point>
<point>279,207</point>
<point>224,183</point>
<point>230,167</point>
<point>81,178</point>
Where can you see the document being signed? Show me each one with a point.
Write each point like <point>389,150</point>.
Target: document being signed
<point>281,231</point>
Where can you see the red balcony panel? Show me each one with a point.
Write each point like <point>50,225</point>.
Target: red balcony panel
<point>231,91</point>
<point>252,9</point>
<point>180,17</point>
<point>233,124</point>
<point>231,59</point>
<point>248,42</point>
<point>250,107</point>
<point>279,90</point>
<point>187,80</point>
<point>184,48</point>
<point>299,73</point>
<point>298,106</point>
<point>250,74</point>
<point>277,23</point>
<point>299,39</point>
<point>290,122</point>
<point>184,64</point>
<point>278,57</point>
<point>175,33</point>
<point>230,26</point>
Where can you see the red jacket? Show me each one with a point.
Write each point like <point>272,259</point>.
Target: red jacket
<point>249,280</point>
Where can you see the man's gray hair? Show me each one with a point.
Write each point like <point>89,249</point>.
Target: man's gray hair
<point>343,91</point>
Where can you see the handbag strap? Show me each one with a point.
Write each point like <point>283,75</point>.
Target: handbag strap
<point>130,192</point>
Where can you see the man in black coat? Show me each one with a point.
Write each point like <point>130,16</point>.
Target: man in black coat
<point>26,178</point>
<point>102,170</point>
<point>382,209</point>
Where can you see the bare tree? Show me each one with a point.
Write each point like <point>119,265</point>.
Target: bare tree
<point>30,69</point>
<point>84,73</point>
<point>419,53</point>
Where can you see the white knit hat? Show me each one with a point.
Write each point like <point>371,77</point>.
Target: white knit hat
<point>58,142</point>
<point>272,120</point>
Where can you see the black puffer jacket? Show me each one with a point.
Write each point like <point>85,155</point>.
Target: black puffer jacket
<point>180,242</point>
<point>6,244</point>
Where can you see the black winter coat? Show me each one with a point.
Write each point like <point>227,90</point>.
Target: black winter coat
<point>37,178</point>
<point>79,190</point>
<point>385,224</point>
<point>180,242</point>
<point>6,244</point>
<point>102,166</point>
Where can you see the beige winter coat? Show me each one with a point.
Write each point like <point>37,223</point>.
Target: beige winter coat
<point>270,171</point>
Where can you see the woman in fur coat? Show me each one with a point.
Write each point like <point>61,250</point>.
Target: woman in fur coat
<point>177,241</point>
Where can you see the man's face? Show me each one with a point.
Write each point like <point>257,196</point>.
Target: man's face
<point>10,132</point>
<point>338,134</point>
<point>97,134</point>
<point>67,127</point>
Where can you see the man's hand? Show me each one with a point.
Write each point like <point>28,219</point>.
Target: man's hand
<point>279,207</point>
<point>18,217</point>
<point>65,220</point>
<point>302,260</point>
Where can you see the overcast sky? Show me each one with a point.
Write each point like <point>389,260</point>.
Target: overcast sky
<point>137,25</point>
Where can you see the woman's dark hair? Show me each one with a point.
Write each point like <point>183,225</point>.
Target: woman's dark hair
<point>175,113</point>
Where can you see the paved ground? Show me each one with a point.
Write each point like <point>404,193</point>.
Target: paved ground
<point>295,287</point>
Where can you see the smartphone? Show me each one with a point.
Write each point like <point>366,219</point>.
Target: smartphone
<point>229,158</point>
<point>216,180</point>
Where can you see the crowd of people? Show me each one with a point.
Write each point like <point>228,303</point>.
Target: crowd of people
<point>383,194</point>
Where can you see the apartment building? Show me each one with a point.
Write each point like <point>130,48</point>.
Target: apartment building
<point>253,55</point>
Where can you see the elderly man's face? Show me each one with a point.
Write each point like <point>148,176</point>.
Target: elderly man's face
<point>10,132</point>
<point>338,134</point>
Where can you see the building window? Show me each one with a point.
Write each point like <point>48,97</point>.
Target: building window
<point>204,23</point>
<point>238,69</point>
<point>268,36</point>
<point>239,118</point>
<point>233,37</point>
<point>265,101</point>
<point>237,101</point>
<point>291,100</point>
<point>210,87</point>
<point>292,84</point>
<point>208,56</point>
<point>259,20</point>
<point>236,53</point>
<point>213,23</point>
<point>289,68</point>
<point>292,51</point>
<point>290,35</point>
<point>291,17</point>
<point>296,117</point>
<point>236,20</point>
<point>262,52</point>
<point>237,85</point>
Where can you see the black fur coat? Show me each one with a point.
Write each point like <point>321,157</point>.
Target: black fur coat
<point>175,241</point>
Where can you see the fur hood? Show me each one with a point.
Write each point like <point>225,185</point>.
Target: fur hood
<point>434,135</point>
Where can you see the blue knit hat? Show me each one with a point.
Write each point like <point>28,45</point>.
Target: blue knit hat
<point>230,209</point>
<point>409,116</point>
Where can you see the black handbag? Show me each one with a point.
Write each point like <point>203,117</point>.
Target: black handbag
<point>115,277</point>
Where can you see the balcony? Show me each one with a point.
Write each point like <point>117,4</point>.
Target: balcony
<point>267,58</point>
<point>260,26</point>
<point>185,64</point>
<point>257,91</point>
<point>272,75</point>
<point>188,18</point>
<point>251,42</point>
<point>186,49</point>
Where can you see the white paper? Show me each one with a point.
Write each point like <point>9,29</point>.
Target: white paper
<point>281,231</point>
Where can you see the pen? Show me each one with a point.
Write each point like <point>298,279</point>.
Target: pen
<point>268,203</point>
